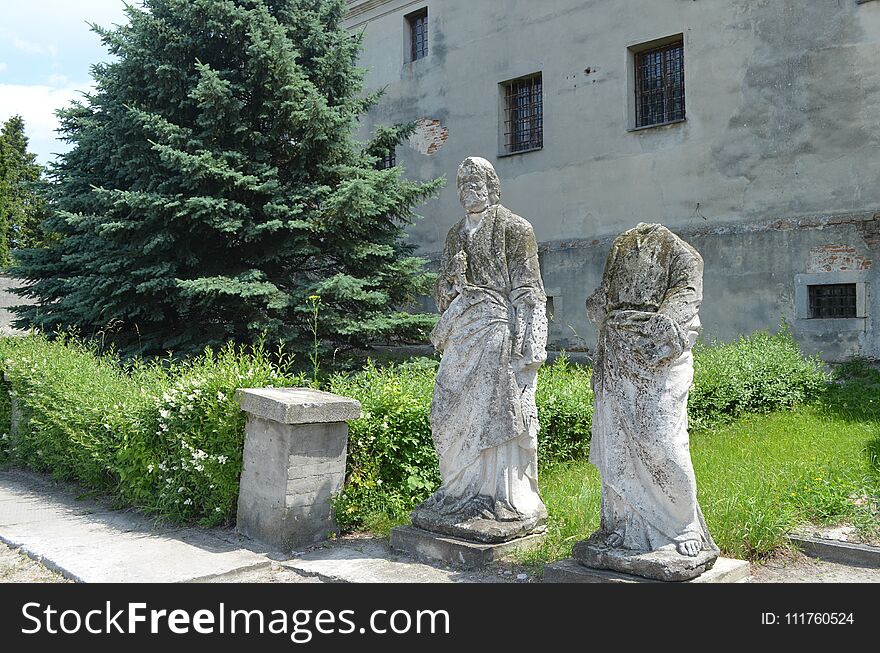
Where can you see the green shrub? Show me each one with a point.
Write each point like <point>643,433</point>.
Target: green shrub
<point>392,464</point>
<point>565,411</point>
<point>163,436</point>
<point>755,374</point>
<point>5,423</point>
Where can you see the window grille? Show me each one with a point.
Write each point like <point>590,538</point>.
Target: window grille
<point>418,32</point>
<point>524,114</point>
<point>833,300</point>
<point>659,85</point>
<point>388,161</point>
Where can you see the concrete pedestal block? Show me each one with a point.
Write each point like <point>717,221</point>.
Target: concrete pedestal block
<point>294,462</point>
<point>424,545</point>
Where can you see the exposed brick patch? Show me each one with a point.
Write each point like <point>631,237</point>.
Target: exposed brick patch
<point>836,258</point>
<point>871,231</point>
<point>430,135</point>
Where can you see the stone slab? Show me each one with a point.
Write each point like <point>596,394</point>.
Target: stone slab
<point>725,570</point>
<point>86,542</point>
<point>424,545</point>
<point>367,561</point>
<point>848,553</point>
<point>297,405</point>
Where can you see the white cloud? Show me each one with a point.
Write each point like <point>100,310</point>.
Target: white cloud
<point>3,66</point>
<point>37,105</point>
<point>29,47</point>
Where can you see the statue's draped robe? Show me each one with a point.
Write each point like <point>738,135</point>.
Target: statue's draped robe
<point>483,415</point>
<point>646,311</point>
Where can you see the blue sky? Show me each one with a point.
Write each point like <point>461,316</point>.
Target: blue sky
<point>46,49</point>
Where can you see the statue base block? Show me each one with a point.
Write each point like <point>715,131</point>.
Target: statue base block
<point>475,529</point>
<point>725,570</point>
<point>425,545</point>
<point>664,564</point>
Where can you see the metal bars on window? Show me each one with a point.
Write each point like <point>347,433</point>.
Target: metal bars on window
<point>388,161</point>
<point>659,85</point>
<point>524,114</point>
<point>833,300</point>
<point>418,30</point>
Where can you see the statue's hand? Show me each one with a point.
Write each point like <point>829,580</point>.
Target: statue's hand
<point>531,359</point>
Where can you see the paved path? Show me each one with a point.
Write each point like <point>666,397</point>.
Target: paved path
<point>81,539</point>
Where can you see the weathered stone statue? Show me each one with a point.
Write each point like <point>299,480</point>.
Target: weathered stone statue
<point>646,311</point>
<point>493,333</point>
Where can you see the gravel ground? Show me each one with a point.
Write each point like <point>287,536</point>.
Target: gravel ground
<point>798,568</point>
<point>17,567</point>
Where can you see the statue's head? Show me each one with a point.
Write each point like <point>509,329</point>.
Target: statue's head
<point>478,184</point>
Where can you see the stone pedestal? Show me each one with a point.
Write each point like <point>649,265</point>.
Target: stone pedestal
<point>294,462</point>
<point>725,570</point>
<point>424,545</point>
<point>664,564</point>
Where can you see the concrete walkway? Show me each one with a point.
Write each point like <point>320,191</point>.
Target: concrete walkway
<point>82,539</point>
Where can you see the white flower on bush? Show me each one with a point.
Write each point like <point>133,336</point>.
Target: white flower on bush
<point>221,396</point>
<point>188,502</point>
<point>164,414</point>
<point>180,489</point>
<point>162,466</point>
<point>218,509</point>
<point>5,436</point>
<point>222,459</point>
<point>150,468</point>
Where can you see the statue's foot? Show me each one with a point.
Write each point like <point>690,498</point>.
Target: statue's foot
<point>503,511</point>
<point>690,548</point>
<point>614,540</point>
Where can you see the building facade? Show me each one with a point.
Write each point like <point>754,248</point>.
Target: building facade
<point>749,127</point>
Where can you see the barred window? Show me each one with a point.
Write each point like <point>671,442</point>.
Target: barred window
<point>388,161</point>
<point>833,300</point>
<point>523,114</point>
<point>659,85</point>
<point>418,34</point>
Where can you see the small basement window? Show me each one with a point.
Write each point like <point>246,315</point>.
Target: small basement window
<point>832,300</point>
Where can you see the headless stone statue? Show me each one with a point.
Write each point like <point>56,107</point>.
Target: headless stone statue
<point>492,332</point>
<point>646,312</point>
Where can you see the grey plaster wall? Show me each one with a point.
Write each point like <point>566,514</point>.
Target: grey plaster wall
<point>783,123</point>
<point>749,282</point>
<point>7,300</point>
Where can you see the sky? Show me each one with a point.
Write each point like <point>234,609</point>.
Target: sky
<point>46,51</point>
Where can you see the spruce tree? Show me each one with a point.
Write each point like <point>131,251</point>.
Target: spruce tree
<point>214,188</point>
<point>21,206</point>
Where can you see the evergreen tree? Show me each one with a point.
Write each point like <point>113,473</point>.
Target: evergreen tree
<point>214,187</point>
<point>21,207</point>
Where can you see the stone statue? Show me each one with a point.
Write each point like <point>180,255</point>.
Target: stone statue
<point>646,312</point>
<point>492,332</point>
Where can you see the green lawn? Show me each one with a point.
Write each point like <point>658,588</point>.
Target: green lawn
<point>757,477</point>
